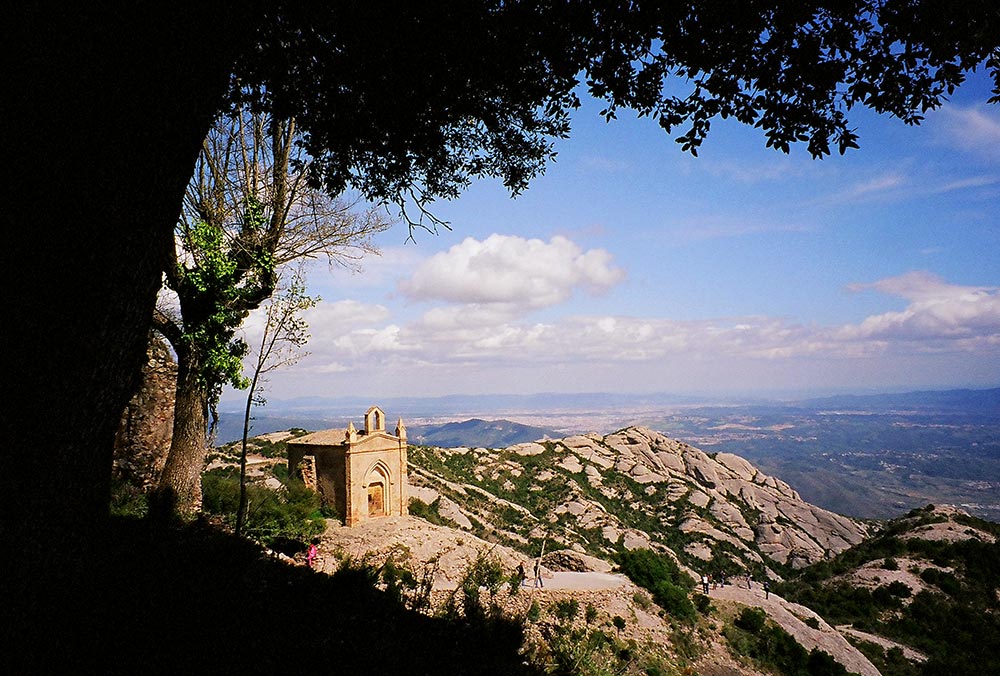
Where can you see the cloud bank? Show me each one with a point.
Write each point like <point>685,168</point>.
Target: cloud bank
<point>939,317</point>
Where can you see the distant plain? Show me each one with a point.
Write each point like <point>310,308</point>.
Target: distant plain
<point>874,456</point>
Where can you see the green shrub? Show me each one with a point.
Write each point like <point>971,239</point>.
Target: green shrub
<point>703,604</point>
<point>641,600</point>
<point>431,512</point>
<point>466,601</point>
<point>660,575</point>
<point>751,619</point>
<point>128,500</point>
<point>774,649</point>
<point>295,513</point>
<point>566,609</point>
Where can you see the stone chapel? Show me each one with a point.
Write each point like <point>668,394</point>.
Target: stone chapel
<point>361,474</point>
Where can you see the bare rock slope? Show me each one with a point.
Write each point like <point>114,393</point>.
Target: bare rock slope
<point>633,488</point>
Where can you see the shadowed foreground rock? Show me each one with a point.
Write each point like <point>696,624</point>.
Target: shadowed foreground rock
<point>194,600</point>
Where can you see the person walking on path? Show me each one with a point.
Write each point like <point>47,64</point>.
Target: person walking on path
<point>521,574</point>
<point>538,573</point>
<point>704,583</point>
<point>313,552</point>
<point>767,588</point>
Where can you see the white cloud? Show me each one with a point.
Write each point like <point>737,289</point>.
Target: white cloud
<point>343,315</point>
<point>984,181</point>
<point>937,312</point>
<point>975,130</point>
<point>508,270</point>
<point>877,186</point>
<point>371,342</point>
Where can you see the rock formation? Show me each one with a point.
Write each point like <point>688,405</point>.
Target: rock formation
<point>635,488</point>
<point>143,438</point>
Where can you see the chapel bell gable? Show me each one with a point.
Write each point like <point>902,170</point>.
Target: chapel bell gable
<point>374,420</point>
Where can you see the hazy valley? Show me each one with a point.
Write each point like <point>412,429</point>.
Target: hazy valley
<point>864,456</point>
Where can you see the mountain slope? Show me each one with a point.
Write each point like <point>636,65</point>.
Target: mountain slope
<point>633,488</point>
<point>929,581</point>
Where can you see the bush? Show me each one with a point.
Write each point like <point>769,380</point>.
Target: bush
<point>466,601</point>
<point>774,649</point>
<point>674,600</point>
<point>751,620</point>
<point>431,512</point>
<point>127,500</point>
<point>660,575</point>
<point>566,609</point>
<point>646,567</point>
<point>703,604</point>
<point>296,513</point>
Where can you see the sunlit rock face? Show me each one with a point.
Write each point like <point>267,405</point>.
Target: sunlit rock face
<point>636,488</point>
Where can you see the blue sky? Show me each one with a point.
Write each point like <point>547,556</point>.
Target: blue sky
<point>631,266</point>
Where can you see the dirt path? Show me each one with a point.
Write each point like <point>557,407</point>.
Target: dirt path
<point>580,581</point>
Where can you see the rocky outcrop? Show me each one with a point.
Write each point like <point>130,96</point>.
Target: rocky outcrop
<point>743,505</point>
<point>143,438</point>
<point>637,488</point>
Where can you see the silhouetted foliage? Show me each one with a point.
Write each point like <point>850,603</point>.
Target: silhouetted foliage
<point>133,583</point>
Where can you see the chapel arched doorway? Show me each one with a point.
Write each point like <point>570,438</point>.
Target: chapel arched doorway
<point>378,492</point>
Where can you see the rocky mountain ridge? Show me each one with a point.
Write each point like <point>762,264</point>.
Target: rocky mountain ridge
<point>635,488</point>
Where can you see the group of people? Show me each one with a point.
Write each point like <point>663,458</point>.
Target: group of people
<point>708,581</point>
<point>714,582</point>
<point>522,575</point>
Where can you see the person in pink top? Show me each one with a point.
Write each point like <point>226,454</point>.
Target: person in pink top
<point>313,551</point>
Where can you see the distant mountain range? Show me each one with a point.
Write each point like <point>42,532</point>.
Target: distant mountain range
<point>315,413</point>
<point>476,432</point>
<point>870,456</point>
<point>934,401</point>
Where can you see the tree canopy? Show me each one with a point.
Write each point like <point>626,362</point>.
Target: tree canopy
<point>419,101</point>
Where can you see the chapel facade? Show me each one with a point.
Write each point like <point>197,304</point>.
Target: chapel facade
<point>361,474</point>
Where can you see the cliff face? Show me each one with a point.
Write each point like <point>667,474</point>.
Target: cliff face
<point>143,438</point>
<point>633,488</point>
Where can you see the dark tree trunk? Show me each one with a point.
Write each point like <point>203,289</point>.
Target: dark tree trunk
<point>104,111</point>
<point>180,484</point>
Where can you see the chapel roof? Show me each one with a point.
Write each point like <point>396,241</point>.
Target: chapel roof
<point>334,437</point>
